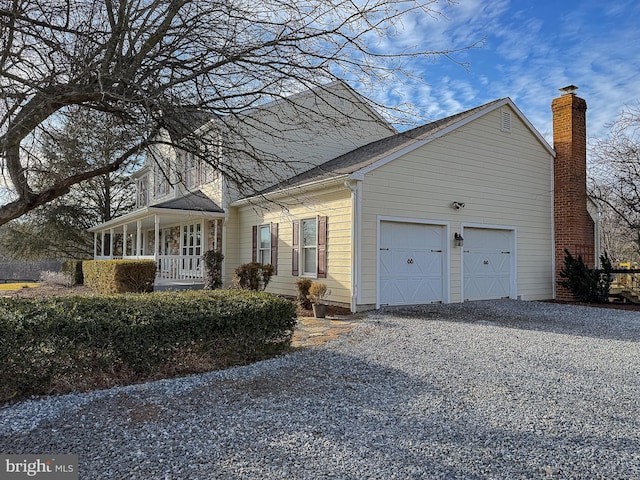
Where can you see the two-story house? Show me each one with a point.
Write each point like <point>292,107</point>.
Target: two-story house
<point>473,206</point>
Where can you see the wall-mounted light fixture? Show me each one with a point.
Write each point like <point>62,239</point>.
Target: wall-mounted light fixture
<point>459,241</point>
<point>457,205</point>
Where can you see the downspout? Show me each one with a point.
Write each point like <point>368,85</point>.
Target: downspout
<point>354,186</point>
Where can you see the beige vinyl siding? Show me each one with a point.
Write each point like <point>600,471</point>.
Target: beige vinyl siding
<point>503,179</point>
<point>291,137</point>
<point>336,205</point>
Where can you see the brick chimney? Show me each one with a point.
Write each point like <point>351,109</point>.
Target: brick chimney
<point>574,227</point>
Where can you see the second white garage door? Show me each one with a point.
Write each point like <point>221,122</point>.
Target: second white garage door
<point>412,263</point>
<point>487,263</point>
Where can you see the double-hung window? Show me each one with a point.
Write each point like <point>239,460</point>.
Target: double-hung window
<point>309,256</point>
<point>309,246</point>
<point>265,245</point>
<point>142,191</point>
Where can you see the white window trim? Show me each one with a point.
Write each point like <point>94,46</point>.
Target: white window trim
<point>302,249</point>
<point>259,249</point>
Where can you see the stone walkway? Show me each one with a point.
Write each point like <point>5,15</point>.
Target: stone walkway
<point>317,331</point>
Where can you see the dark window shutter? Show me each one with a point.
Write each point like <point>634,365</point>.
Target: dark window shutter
<point>295,253</point>
<point>254,247</point>
<point>274,247</point>
<point>322,247</point>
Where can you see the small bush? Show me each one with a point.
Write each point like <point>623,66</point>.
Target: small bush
<point>303,285</point>
<point>586,284</point>
<point>253,276</point>
<point>57,278</point>
<point>213,269</point>
<point>119,276</point>
<point>318,292</point>
<point>73,268</point>
<point>58,344</point>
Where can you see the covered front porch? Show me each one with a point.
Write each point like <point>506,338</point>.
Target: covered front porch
<point>174,239</point>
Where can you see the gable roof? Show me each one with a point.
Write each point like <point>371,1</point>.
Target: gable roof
<point>363,160</point>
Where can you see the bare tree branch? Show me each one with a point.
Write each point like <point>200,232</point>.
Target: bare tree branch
<point>148,63</point>
<point>615,184</point>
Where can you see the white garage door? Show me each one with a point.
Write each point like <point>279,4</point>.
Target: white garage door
<point>487,266</point>
<point>412,263</point>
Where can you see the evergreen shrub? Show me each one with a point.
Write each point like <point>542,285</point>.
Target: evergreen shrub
<point>586,284</point>
<point>213,269</point>
<point>57,344</point>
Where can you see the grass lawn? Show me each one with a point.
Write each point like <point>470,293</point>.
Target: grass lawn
<point>16,286</point>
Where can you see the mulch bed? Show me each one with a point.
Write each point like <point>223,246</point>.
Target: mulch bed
<point>332,311</point>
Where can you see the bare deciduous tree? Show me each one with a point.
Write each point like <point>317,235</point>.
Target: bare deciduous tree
<point>615,184</point>
<point>147,62</point>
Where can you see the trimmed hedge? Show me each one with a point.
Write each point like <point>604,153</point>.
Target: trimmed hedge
<point>51,345</point>
<point>73,268</point>
<point>119,276</point>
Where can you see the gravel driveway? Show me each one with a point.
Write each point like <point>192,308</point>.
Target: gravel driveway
<point>480,390</point>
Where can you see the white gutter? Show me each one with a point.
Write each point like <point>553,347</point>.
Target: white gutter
<point>285,192</point>
<point>150,211</point>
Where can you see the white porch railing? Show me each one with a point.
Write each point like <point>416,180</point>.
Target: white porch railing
<point>169,267</point>
<point>179,267</point>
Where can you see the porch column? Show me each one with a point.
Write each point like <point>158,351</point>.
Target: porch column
<point>95,245</point>
<point>156,240</point>
<point>111,242</point>
<point>215,234</point>
<point>102,243</point>
<point>139,238</point>
<point>203,235</point>
<point>224,244</point>
<point>124,240</point>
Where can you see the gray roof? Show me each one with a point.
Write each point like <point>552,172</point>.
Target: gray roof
<point>192,201</point>
<point>372,152</point>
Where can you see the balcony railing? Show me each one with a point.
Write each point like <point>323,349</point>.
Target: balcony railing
<point>179,267</point>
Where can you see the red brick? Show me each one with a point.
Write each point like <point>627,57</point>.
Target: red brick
<point>573,225</point>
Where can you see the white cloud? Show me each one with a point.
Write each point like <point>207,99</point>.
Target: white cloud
<point>530,52</point>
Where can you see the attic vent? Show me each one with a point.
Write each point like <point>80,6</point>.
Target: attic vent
<point>505,121</point>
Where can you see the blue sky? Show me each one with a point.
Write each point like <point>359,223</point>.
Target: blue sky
<point>532,48</point>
